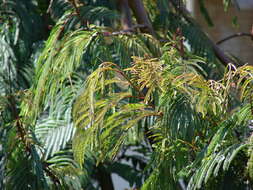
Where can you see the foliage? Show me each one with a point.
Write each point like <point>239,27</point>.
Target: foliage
<point>77,94</point>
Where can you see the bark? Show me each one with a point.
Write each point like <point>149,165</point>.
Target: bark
<point>240,34</point>
<point>124,9</point>
<point>224,59</point>
<point>138,9</point>
<point>141,16</point>
<point>104,178</point>
<point>44,6</point>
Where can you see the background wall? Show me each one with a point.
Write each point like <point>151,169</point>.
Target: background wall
<point>241,47</point>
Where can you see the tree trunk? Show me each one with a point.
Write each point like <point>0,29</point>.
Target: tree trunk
<point>104,178</point>
<point>126,21</point>
<point>138,9</point>
<point>141,16</point>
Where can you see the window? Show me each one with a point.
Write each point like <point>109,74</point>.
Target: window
<point>245,4</point>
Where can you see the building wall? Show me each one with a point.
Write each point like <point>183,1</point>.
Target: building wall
<point>241,47</point>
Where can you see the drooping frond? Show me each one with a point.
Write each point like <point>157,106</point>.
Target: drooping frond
<point>53,135</point>
<point>181,114</point>
<point>109,116</point>
<point>79,96</point>
<point>19,176</point>
<point>219,154</point>
<point>106,119</point>
<point>54,129</point>
<point>81,49</point>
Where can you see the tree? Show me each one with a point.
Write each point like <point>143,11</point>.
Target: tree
<point>83,82</point>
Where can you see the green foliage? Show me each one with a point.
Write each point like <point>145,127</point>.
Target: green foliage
<point>186,99</point>
<point>77,95</point>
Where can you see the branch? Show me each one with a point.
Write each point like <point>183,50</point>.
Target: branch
<point>76,5</point>
<point>104,178</point>
<point>49,9</point>
<point>22,134</point>
<point>124,8</point>
<point>50,174</point>
<point>224,59</point>
<point>240,34</point>
<point>129,31</point>
<point>73,3</point>
<point>141,15</point>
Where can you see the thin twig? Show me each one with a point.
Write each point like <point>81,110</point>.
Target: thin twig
<point>77,10</point>
<point>129,31</point>
<point>240,34</point>
<point>224,59</point>
<point>49,9</point>
<point>22,134</point>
